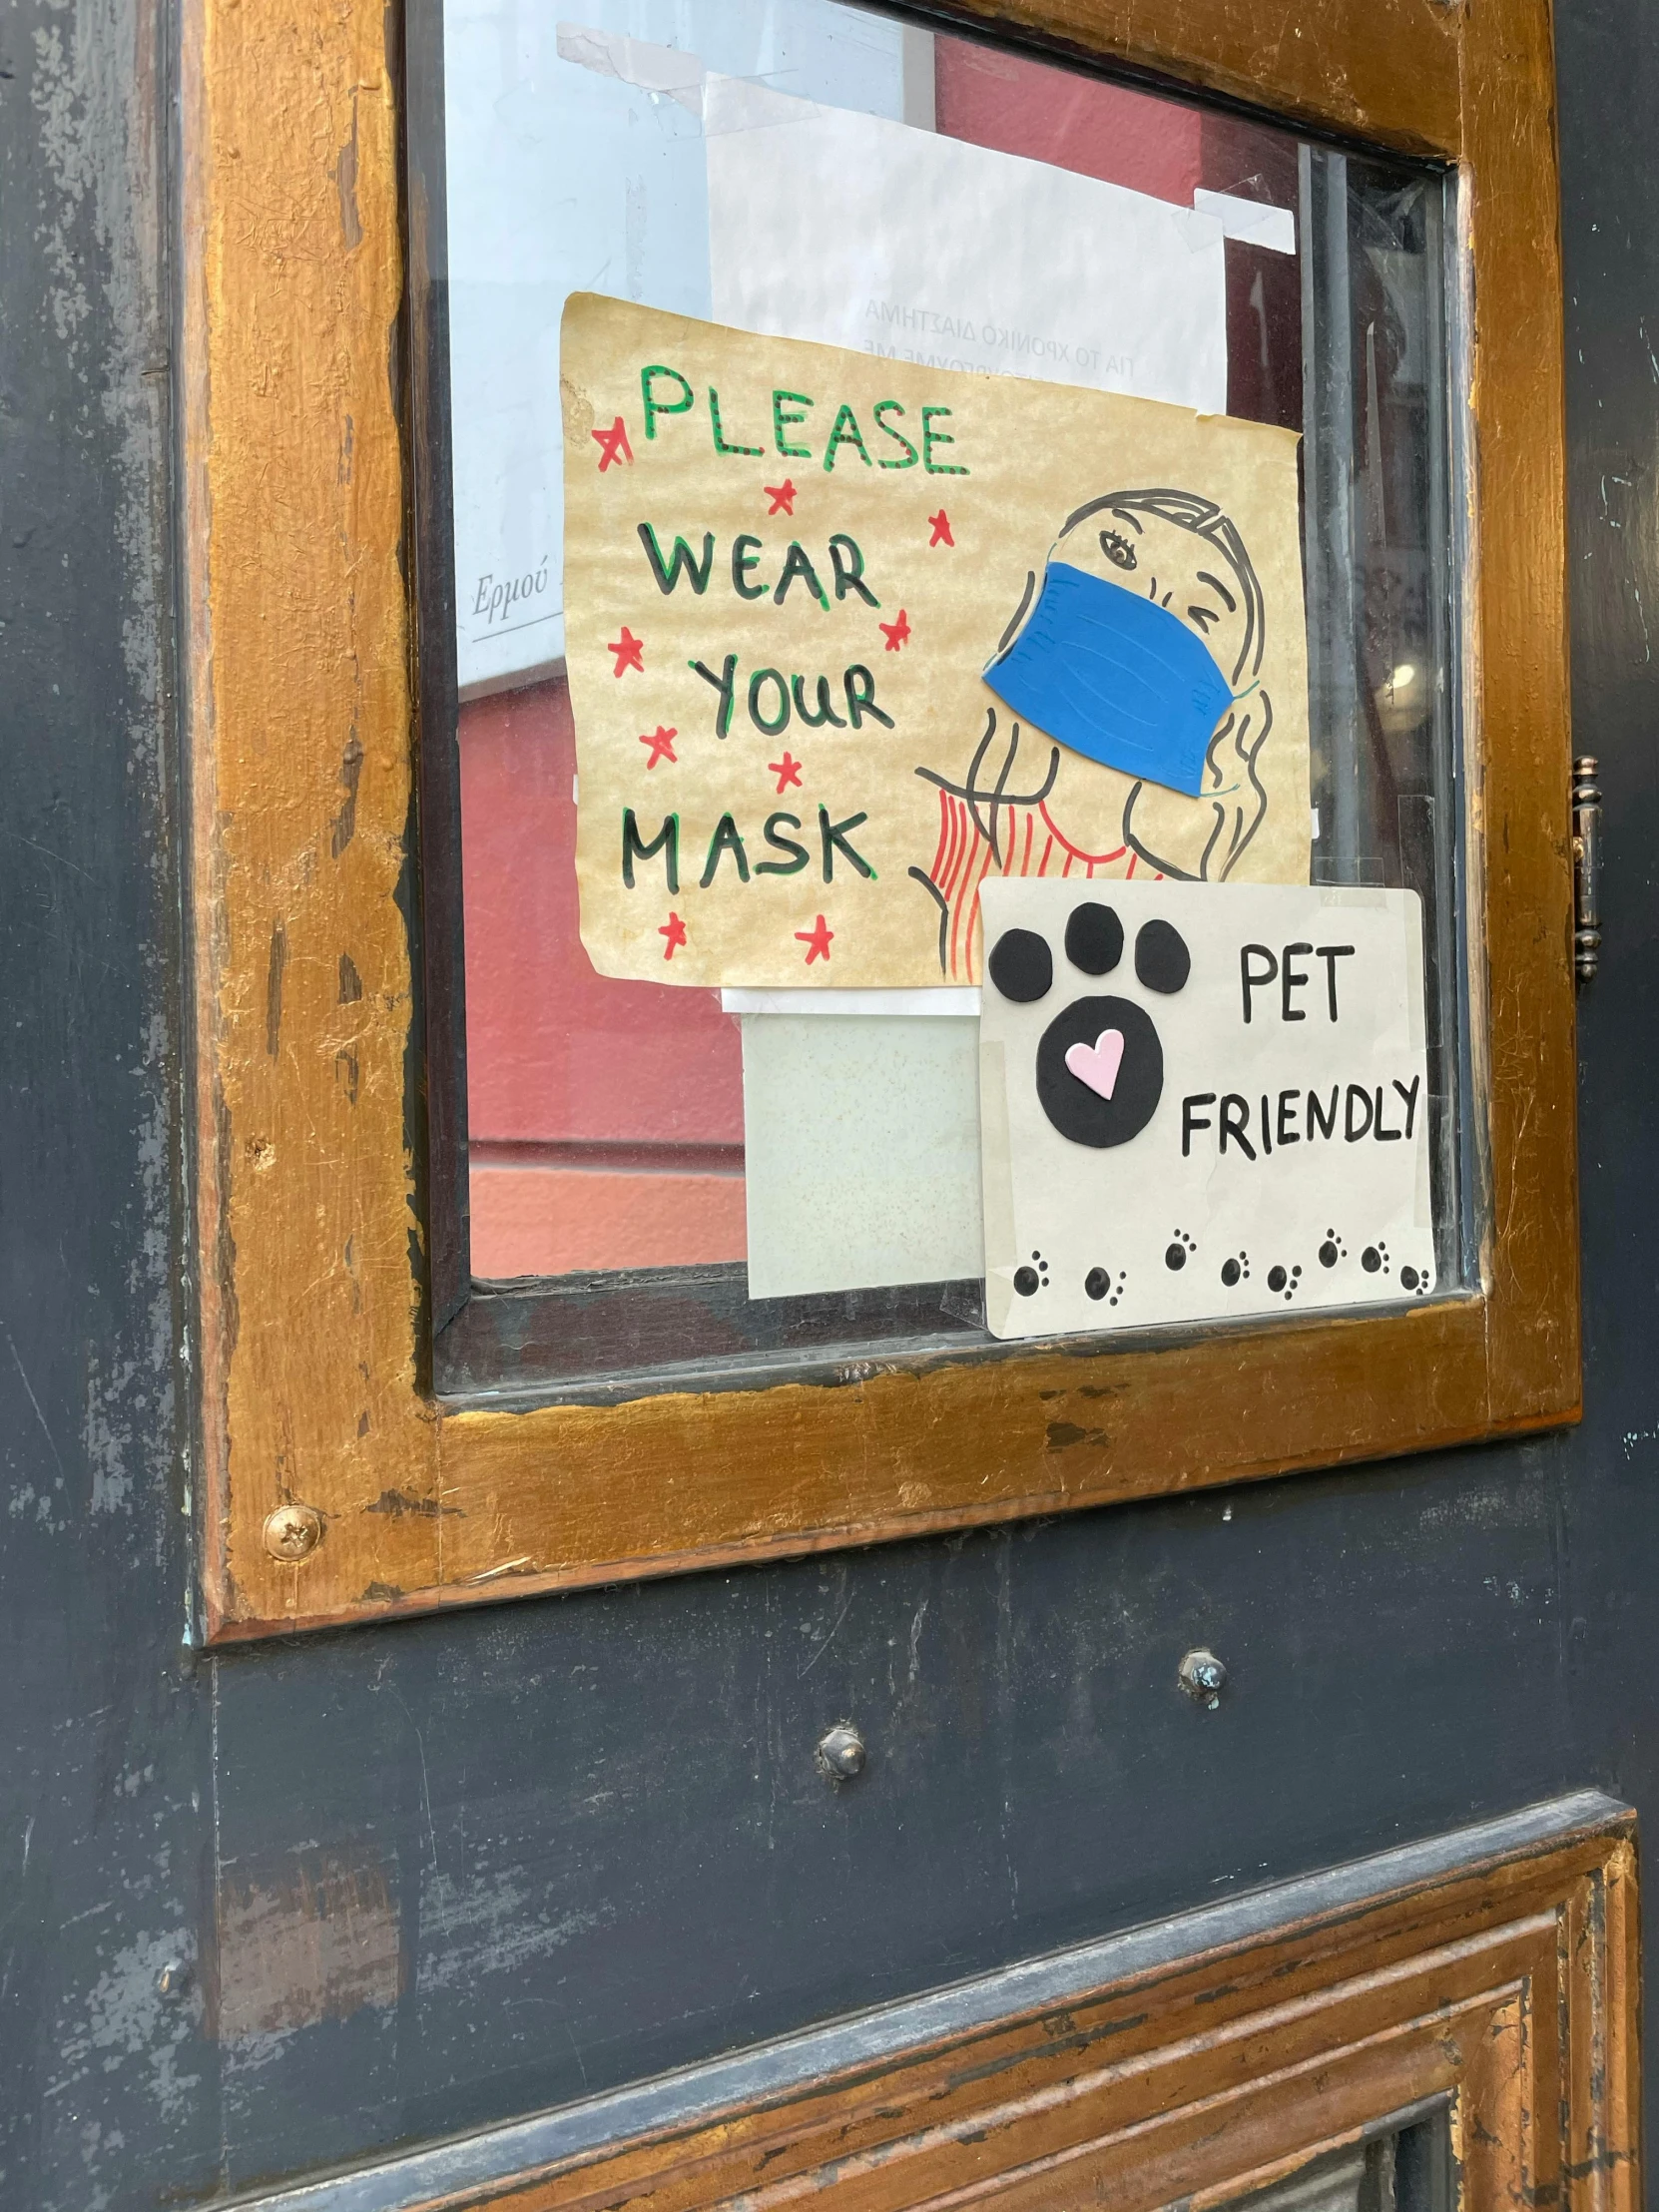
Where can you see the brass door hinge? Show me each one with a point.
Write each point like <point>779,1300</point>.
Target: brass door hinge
<point>1586,865</point>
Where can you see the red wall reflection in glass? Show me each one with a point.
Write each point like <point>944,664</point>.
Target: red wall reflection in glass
<point>605,1118</point>
<point>1020,106</point>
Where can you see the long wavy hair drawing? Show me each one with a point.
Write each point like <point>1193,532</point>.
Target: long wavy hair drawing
<point>1007,812</point>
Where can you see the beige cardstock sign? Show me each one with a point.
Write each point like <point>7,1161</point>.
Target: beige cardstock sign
<point>847,636</point>
<point>1199,1102</point>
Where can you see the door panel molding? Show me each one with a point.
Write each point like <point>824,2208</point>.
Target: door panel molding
<point>1491,1971</point>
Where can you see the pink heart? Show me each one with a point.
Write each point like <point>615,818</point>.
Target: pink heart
<point>1097,1064</point>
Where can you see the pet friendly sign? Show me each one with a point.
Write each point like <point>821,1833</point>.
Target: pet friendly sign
<point>1199,1100</point>
<point>849,637</point>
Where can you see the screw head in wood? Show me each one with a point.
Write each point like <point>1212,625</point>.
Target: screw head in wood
<point>840,1754</point>
<point>293,1533</point>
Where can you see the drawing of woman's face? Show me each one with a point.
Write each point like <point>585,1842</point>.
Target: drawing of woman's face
<point>1177,549</point>
<point>1131,544</point>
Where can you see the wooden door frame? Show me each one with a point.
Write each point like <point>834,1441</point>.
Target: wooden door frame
<point>334,1485</point>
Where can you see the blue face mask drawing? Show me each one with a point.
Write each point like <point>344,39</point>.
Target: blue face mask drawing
<point>1108,672</point>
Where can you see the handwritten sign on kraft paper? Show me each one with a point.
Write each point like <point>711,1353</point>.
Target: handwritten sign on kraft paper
<point>1199,1100</point>
<point>847,637</point>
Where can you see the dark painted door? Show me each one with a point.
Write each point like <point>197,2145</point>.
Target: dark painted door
<point>299,1904</point>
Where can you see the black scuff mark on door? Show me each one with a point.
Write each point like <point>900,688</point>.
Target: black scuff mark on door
<point>351,776</point>
<point>273,988</point>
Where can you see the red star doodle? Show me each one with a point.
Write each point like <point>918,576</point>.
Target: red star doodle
<point>613,444</point>
<point>674,929</point>
<point>786,771</point>
<point>661,743</point>
<point>941,526</point>
<point>630,651</point>
<point>817,940</point>
<point>895,633</point>
<point>781,496</point>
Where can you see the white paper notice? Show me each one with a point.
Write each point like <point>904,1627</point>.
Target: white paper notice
<point>862,1152</point>
<point>575,163</point>
<point>858,232</point>
<point>1199,1101</point>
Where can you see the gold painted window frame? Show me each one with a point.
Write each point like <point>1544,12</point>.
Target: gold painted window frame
<point>333,1485</point>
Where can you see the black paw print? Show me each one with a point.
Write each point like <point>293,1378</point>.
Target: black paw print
<point>1234,1271</point>
<point>1102,1282</point>
<point>1100,1064</point>
<point>1410,1279</point>
<point>1374,1257</point>
<point>1332,1250</point>
<point>1175,1258</point>
<point>1029,1281</point>
<point>1287,1280</point>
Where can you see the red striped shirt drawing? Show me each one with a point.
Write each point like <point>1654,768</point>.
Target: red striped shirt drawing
<point>985,829</point>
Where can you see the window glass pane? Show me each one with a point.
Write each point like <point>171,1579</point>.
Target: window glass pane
<point>645,1156</point>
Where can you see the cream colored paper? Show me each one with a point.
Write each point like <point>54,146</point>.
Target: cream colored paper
<point>1230,1167</point>
<point>945,493</point>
